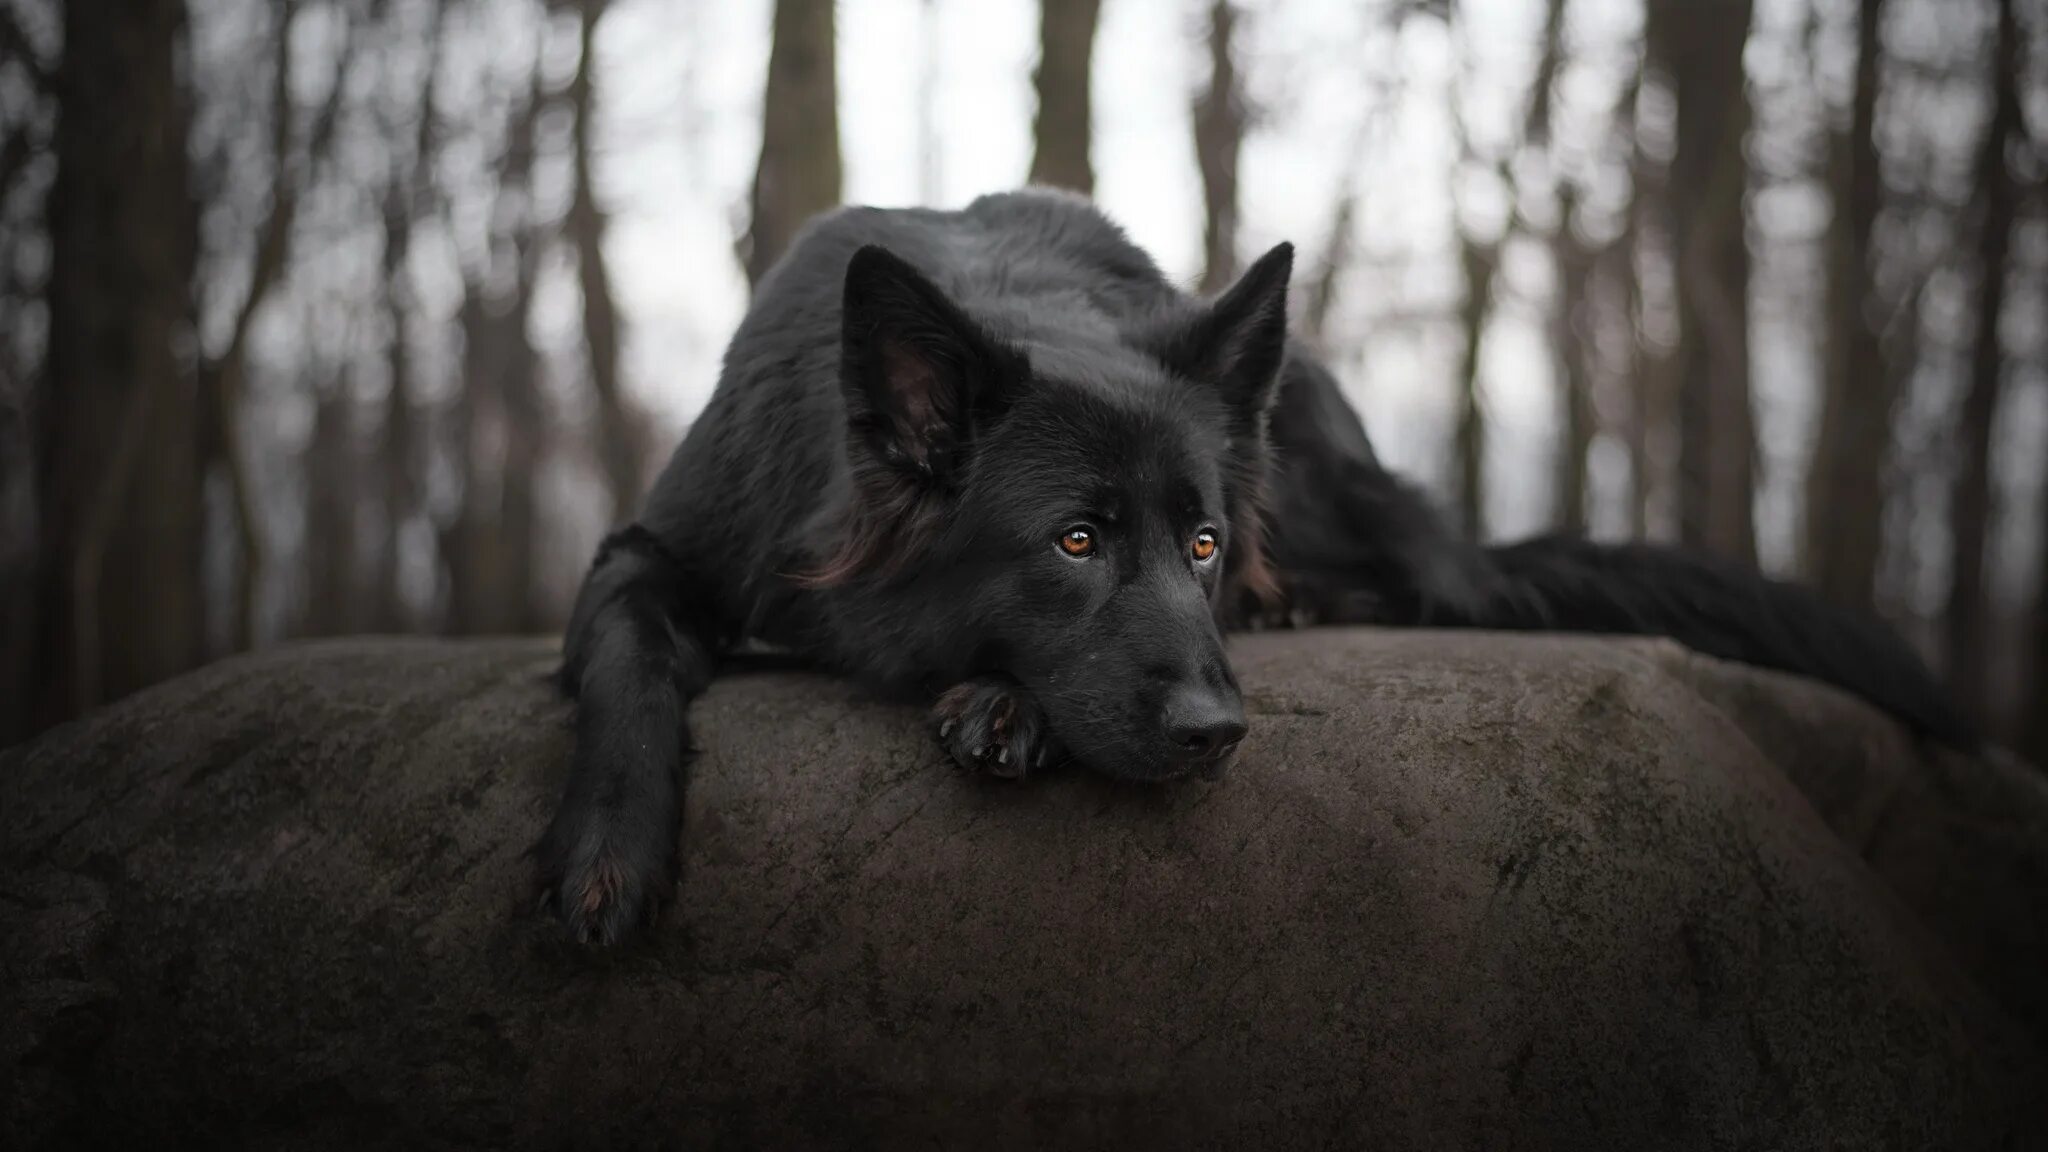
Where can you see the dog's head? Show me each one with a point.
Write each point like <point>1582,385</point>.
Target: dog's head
<point>1071,511</point>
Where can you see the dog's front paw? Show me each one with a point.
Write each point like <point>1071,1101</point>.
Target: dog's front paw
<point>993,725</point>
<point>603,879</point>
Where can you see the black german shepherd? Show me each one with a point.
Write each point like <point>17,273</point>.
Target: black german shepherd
<point>994,456</point>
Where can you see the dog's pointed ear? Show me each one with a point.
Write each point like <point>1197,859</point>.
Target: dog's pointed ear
<point>918,373</point>
<point>1239,342</point>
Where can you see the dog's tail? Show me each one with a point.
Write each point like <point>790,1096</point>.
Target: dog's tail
<point>1568,584</point>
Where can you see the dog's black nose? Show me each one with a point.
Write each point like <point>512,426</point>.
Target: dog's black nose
<point>1204,724</point>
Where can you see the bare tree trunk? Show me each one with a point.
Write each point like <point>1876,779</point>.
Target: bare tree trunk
<point>490,547</point>
<point>1063,132</point>
<point>1220,118</point>
<point>1844,504</point>
<point>1644,369</point>
<point>1479,262</point>
<point>616,443</point>
<point>1970,506</point>
<point>398,448</point>
<point>1322,290</point>
<point>1571,345</point>
<point>121,602</point>
<point>332,604</point>
<point>1699,45</point>
<point>474,598</point>
<point>799,173</point>
<point>401,452</point>
<point>1643,410</point>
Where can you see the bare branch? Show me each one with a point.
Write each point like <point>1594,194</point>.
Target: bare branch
<point>15,45</point>
<point>616,446</point>
<point>1536,125</point>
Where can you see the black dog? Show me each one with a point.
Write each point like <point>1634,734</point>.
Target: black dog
<point>993,455</point>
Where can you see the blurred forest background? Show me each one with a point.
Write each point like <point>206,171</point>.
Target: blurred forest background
<point>333,316</point>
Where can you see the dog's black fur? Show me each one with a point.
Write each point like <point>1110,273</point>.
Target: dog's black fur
<point>919,409</point>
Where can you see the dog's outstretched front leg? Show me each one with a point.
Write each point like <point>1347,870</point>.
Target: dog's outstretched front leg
<point>639,648</point>
<point>991,724</point>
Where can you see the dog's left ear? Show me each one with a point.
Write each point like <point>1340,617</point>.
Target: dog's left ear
<point>918,373</point>
<point>1238,343</point>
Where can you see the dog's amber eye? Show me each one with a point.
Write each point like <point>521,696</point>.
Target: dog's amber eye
<point>1078,542</point>
<point>1204,546</point>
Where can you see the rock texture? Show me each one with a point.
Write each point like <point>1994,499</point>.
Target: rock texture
<point>1461,891</point>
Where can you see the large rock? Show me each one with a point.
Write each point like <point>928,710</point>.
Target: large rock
<point>1463,891</point>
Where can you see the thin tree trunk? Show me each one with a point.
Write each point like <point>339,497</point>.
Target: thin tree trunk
<point>1479,262</point>
<point>408,194</point>
<point>1644,368</point>
<point>1699,45</point>
<point>330,466</point>
<point>473,580</point>
<point>398,448</point>
<point>1642,407</point>
<point>1844,505</point>
<point>1968,615</point>
<point>799,171</point>
<point>1571,345</point>
<point>1571,303</point>
<point>120,594</point>
<point>1220,118</point>
<point>616,444</point>
<point>1063,131</point>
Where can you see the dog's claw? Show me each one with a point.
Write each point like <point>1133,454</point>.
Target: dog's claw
<point>991,725</point>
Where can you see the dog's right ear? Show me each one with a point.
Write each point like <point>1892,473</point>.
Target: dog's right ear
<point>918,373</point>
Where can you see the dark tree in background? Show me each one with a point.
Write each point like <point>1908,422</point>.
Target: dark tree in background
<point>1570,338</point>
<point>407,187</point>
<point>1697,45</point>
<point>120,600</point>
<point>617,445</point>
<point>1478,263</point>
<point>1063,131</point>
<point>799,172</point>
<point>1970,507</point>
<point>1220,117</point>
<point>1844,509</point>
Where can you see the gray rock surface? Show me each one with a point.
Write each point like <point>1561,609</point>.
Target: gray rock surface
<point>1460,891</point>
